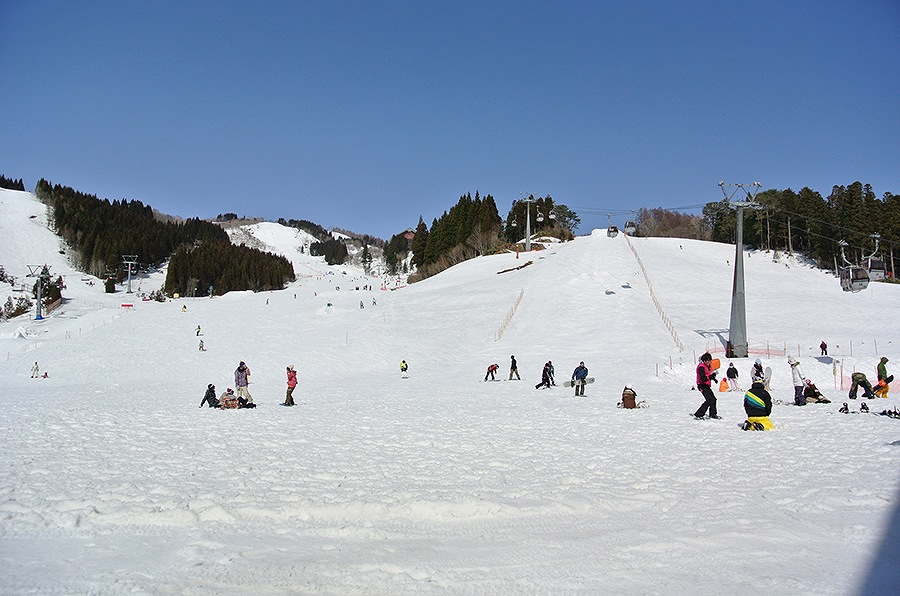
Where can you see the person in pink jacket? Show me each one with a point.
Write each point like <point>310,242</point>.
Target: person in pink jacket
<point>291,383</point>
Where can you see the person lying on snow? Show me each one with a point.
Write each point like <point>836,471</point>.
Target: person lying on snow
<point>813,395</point>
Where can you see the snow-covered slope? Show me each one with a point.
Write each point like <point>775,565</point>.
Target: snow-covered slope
<point>114,481</point>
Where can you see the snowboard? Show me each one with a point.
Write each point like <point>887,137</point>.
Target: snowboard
<point>714,364</point>
<point>571,383</point>
<point>768,377</point>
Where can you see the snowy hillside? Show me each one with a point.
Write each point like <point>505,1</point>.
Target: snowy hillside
<point>113,480</point>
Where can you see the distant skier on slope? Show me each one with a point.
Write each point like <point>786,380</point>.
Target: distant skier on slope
<point>732,375</point>
<point>404,367</point>
<point>491,371</point>
<point>513,368</point>
<point>545,377</point>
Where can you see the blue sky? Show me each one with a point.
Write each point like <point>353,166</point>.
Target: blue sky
<point>366,115</point>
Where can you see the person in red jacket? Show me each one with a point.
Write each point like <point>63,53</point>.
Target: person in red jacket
<point>705,378</point>
<point>291,383</point>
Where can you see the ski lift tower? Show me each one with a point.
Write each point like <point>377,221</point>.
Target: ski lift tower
<point>737,332</point>
<point>129,260</point>
<point>42,273</point>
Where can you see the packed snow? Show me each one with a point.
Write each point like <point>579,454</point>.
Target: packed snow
<point>113,480</point>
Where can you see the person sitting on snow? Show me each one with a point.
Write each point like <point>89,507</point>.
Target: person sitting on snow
<point>228,400</point>
<point>628,398</point>
<point>210,397</point>
<point>813,395</point>
<point>758,406</point>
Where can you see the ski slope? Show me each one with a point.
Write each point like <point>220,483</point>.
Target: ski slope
<point>112,480</point>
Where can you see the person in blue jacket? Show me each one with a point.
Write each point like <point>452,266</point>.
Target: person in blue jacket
<point>578,378</point>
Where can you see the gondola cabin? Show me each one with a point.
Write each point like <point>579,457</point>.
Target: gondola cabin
<point>854,279</point>
<point>612,231</point>
<point>875,267</point>
<point>630,228</point>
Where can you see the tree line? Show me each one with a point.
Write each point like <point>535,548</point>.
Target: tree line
<point>102,231</point>
<point>806,222</point>
<point>471,228</point>
<point>10,184</point>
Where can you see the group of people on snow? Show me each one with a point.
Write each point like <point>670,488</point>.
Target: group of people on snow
<point>758,401</point>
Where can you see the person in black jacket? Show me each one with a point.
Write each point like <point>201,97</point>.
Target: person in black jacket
<point>210,397</point>
<point>513,368</point>
<point>705,378</point>
<point>545,377</point>
<point>758,406</point>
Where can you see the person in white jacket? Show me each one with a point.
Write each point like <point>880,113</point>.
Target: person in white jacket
<point>798,378</point>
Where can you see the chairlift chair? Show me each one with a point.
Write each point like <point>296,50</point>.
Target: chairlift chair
<point>854,279</point>
<point>875,267</point>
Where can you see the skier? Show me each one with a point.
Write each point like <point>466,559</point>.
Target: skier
<point>361,305</point>
<point>552,373</point>
<point>578,378</point>
<point>758,406</point>
<point>705,378</point>
<point>200,347</point>
<point>824,348</point>
<point>198,330</point>
<point>882,387</point>
<point>403,368</point>
<point>35,371</point>
<point>513,368</point>
<point>545,377</point>
<point>757,373</point>
<point>491,370</point>
<point>291,383</point>
<point>241,381</point>
<point>210,397</point>
<point>797,376</point>
<point>732,375</point>
<point>859,379</point>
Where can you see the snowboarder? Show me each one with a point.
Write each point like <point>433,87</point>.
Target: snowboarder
<point>859,379</point>
<point>198,330</point>
<point>200,347</point>
<point>757,373</point>
<point>824,348</point>
<point>403,368</point>
<point>545,377</point>
<point>797,376</point>
<point>361,305</point>
<point>705,378</point>
<point>758,406</point>
<point>210,397</point>
<point>241,381</point>
<point>291,383</point>
<point>552,373</point>
<point>883,385</point>
<point>579,374</point>
<point>732,375</point>
<point>491,370</point>
<point>35,371</point>
<point>513,368</point>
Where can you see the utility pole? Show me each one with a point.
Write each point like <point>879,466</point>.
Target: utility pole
<point>737,333</point>
<point>42,273</point>
<point>129,260</point>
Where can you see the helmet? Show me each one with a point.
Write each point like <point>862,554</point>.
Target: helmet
<point>758,361</point>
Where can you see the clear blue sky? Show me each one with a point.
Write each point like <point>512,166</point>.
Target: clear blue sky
<point>366,115</point>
